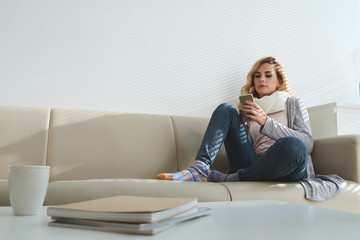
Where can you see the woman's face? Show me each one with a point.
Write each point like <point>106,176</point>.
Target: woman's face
<point>265,80</point>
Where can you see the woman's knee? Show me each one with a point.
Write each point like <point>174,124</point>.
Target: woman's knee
<point>225,107</point>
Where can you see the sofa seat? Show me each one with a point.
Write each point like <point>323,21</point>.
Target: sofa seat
<point>60,192</point>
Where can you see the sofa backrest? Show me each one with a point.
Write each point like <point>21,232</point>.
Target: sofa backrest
<point>89,144</point>
<point>23,136</point>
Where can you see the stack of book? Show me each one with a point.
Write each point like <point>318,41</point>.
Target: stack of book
<point>127,214</point>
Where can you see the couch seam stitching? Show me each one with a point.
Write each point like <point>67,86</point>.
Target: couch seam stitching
<point>175,142</point>
<point>48,141</point>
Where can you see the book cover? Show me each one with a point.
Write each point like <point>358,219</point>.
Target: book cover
<point>132,228</point>
<point>124,209</point>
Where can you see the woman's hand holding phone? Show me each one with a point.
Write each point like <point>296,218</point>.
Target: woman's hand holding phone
<point>249,110</point>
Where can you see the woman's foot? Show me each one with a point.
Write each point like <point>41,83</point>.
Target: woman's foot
<point>198,172</point>
<point>216,176</point>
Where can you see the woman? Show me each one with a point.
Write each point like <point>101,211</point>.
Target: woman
<point>274,150</point>
<point>273,145</point>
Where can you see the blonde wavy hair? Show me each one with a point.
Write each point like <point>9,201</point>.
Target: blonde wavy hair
<point>249,87</point>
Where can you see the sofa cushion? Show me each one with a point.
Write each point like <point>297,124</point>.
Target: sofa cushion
<point>62,192</point>
<point>189,132</point>
<point>347,201</point>
<point>24,135</point>
<point>88,144</point>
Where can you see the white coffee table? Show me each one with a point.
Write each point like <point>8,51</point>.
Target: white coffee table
<point>229,220</point>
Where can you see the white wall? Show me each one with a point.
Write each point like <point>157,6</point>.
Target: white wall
<point>179,57</point>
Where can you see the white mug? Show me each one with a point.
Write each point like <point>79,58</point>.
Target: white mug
<point>27,188</point>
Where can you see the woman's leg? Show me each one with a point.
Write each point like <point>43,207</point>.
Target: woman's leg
<point>286,160</point>
<point>224,126</point>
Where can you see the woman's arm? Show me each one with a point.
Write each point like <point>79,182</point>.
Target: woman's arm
<point>299,127</point>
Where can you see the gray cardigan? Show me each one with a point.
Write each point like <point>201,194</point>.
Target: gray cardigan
<point>317,187</point>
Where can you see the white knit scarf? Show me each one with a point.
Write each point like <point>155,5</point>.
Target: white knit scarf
<point>274,102</point>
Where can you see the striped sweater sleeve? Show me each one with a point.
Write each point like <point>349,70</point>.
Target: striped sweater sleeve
<point>299,124</point>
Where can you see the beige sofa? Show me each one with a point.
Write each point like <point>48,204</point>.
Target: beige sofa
<point>94,154</point>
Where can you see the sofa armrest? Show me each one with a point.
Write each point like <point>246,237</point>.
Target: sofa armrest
<point>338,155</point>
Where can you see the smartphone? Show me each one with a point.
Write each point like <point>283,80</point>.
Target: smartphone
<point>246,97</point>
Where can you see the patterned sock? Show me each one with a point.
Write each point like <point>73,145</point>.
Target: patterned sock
<point>216,176</point>
<point>198,172</point>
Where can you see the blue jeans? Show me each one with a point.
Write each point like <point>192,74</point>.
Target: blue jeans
<point>286,160</point>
